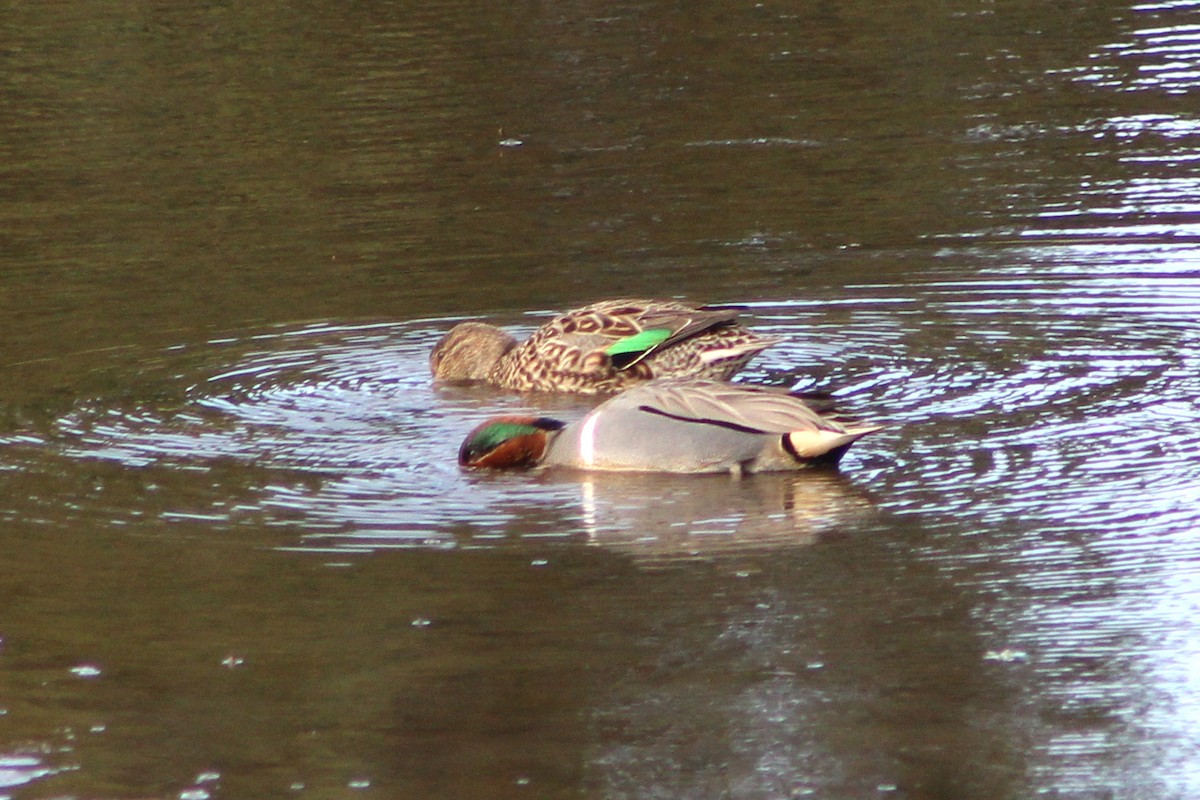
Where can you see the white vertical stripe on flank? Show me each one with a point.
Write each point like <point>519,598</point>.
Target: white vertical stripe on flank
<point>587,440</point>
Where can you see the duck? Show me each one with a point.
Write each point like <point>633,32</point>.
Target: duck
<point>673,425</point>
<point>603,348</point>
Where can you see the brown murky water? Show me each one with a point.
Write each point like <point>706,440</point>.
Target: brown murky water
<point>238,559</point>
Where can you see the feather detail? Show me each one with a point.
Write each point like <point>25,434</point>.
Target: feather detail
<point>811,445</point>
<point>632,349</point>
<point>755,408</point>
<point>604,348</point>
<point>744,350</point>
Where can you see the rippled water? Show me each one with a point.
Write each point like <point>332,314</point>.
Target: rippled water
<point>239,558</point>
<point>1042,434</point>
<point>1062,395</point>
<point>360,449</point>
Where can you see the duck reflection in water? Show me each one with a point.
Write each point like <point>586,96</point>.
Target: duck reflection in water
<point>679,517</point>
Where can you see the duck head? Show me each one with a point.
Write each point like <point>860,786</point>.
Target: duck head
<point>504,442</point>
<point>469,352</point>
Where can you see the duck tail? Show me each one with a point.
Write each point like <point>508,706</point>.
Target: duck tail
<point>746,349</point>
<point>823,445</point>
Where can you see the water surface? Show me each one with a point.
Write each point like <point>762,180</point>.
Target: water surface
<point>238,556</point>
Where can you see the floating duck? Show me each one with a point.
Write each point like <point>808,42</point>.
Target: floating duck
<point>602,348</point>
<point>672,425</point>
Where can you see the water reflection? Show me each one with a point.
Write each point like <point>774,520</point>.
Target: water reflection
<point>1159,55</point>
<point>1131,158</point>
<point>740,688</point>
<point>19,769</point>
<point>672,517</point>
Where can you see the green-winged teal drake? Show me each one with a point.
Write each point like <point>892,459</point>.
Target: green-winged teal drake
<point>673,425</point>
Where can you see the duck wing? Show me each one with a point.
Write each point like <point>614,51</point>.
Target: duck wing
<point>752,409</point>
<point>662,325</point>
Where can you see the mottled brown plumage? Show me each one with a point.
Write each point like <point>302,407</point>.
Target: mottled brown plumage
<point>602,348</point>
